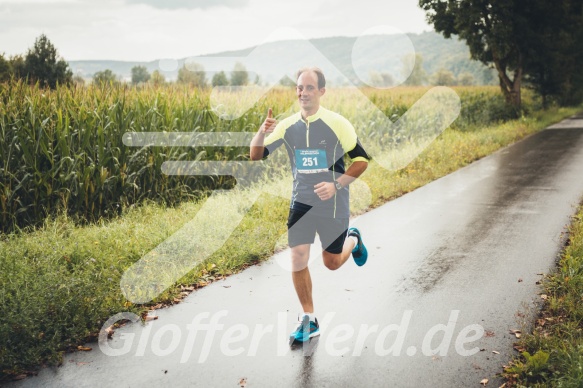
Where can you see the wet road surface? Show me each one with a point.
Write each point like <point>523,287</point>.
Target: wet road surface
<point>453,268</point>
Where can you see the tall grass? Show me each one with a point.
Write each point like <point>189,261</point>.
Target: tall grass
<point>62,150</point>
<point>552,354</point>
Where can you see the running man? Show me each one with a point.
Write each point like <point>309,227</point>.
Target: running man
<point>316,141</point>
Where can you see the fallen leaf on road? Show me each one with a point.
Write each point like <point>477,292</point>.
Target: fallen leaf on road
<point>520,280</point>
<point>544,296</point>
<point>150,318</point>
<point>517,333</point>
<point>243,382</point>
<point>495,352</point>
<point>519,348</point>
<point>227,286</point>
<point>84,348</point>
<point>484,382</point>
<point>19,377</point>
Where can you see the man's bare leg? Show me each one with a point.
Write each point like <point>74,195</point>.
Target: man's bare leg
<point>333,261</point>
<point>301,276</point>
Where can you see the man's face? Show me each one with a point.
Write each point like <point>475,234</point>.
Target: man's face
<point>308,92</point>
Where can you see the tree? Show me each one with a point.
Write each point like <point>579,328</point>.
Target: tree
<point>220,79</point>
<point>496,32</point>
<point>5,69</point>
<point>105,77</point>
<point>43,64</point>
<point>287,82</point>
<point>536,41</point>
<point>17,66</point>
<point>418,75</point>
<point>466,79</point>
<point>553,65</point>
<point>491,28</point>
<point>239,75</point>
<point>443,77</point>
<point>157,78</point>
<point>78,80</point>
<point>140,74</point>
<point>192,74</point>
<point>489,76</point>
<point>380,79</point>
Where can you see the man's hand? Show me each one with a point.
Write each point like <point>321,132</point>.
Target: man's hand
<point>269,124</point>
<point>256,149</point>
<point>325,190</point>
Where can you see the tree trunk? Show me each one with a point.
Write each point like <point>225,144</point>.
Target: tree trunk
<point>510,87</point>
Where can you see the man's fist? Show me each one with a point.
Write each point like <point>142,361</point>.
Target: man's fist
<point>325,190</point>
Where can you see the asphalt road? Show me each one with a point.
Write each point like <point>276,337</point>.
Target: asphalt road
<point>453,268</point>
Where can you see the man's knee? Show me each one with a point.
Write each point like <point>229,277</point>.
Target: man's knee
<point>300,256</point>
<point>331,260</point>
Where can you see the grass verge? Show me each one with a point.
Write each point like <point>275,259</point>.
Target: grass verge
<point>552,355</point>
<point>60,283</point>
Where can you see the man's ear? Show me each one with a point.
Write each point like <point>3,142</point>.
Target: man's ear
<point>322,91</point>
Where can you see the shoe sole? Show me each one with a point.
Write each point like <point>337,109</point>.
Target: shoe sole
<point>293,340</point>
<point>364,253</point>
<point>360,243</point>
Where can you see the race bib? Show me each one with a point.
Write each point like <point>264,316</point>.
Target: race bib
<point>311,161</point>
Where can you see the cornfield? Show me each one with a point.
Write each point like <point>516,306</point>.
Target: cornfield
<point>62,150</point>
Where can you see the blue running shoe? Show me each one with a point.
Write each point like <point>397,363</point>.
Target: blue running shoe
<point>359,253</point>
<point>306,329</point>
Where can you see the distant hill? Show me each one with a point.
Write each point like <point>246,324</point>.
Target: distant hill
<point>437,53</point>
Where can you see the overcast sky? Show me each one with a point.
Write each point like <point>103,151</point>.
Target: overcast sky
<point>144,30</point>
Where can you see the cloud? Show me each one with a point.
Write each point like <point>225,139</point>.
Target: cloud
<point>141,30</point>
<point>190,4</point>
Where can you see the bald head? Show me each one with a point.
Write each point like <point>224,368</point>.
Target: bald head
<point>317,71</point>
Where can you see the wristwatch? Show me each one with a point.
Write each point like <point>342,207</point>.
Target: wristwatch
<point>338,186</point>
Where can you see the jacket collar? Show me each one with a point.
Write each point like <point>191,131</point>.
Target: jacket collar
<point>315,116</point>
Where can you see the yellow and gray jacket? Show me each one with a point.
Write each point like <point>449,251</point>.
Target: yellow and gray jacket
<point>316,148</point>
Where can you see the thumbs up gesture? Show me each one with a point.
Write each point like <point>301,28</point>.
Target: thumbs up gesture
<point>269,124</point>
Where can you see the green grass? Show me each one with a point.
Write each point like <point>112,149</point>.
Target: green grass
<point>60,282</point>
<point>552,355</point>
